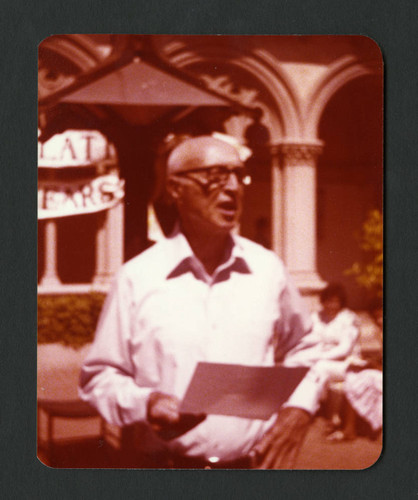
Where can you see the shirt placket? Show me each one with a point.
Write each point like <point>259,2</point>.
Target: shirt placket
<point>215,314</point>
<point>205,295</point>
<point>211,318</point>
<point>212,307</point>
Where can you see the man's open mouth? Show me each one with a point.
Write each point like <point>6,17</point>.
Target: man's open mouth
<point>229,207</point>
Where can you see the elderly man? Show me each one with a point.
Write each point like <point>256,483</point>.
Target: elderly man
<point>203,294</point>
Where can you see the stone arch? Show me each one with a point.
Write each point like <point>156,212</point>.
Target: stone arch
<point>284,118</point>
<point>79,50</point>
<point>349,177</point>
<point>61,59</point>
<point>339,73</point>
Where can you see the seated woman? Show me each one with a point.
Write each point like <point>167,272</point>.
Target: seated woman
<point>334,333</point>
<point>332,345</point>
<point>363,390</point>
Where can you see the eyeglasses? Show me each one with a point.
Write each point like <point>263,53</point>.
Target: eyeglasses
<point>217,176</point>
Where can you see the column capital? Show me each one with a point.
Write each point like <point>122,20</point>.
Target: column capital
<point>275,149</point>
<point>294,153</point>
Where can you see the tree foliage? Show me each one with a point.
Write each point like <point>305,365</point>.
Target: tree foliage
<point>369,272</point>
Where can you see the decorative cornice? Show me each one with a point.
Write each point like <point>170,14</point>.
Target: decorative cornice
<point>224,86</point>
<point>294,154</point>
<point>237,125</point>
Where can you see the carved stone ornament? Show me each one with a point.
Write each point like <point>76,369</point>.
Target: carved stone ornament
<point>50,81</point>
<point>300,154</point>
<point>235,125</point>
<point>223,85</point>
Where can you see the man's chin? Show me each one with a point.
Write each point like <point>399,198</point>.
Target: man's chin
<point>227,224</point>
<point>221,224</point>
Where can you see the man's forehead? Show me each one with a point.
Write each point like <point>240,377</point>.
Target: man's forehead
<point>202,152</point>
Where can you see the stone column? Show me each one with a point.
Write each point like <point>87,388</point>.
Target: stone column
<point>299,214</point>
<point>277,203</point>
<point>100,273</point>
<point>50,277</point>
<point>115,237</point>
<point>109,245</point>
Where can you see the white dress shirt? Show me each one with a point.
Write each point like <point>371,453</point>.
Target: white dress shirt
<point>165,313</point>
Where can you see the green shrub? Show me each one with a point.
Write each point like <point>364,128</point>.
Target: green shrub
<point>68,319</point>
<point>369,273</point>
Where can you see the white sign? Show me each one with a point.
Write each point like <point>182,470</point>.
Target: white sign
<point>79,197</point>
<point>75,148</point>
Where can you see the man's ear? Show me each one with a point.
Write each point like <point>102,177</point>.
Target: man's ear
<point>173,188</point>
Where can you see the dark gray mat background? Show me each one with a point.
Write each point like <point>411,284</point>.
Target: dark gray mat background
<point>393,25</point>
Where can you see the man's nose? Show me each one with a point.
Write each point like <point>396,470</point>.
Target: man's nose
<point>232,182</point>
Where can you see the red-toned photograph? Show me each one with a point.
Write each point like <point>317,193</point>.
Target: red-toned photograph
<point>210,252</point>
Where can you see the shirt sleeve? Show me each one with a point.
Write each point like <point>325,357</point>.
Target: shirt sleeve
<point>292,330</point>
<point>308,393</point>
<point>107,375</point>
<point>294,319</point>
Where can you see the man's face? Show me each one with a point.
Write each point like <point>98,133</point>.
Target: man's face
<point>209,186</point>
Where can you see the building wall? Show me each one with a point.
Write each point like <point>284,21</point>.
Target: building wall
<point>318,146</point>
<point>350,178</point>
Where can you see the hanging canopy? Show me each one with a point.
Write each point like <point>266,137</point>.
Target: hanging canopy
<point>139,83</point>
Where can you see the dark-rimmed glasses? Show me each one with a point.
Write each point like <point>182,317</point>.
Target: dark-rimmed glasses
<point>216,177</point>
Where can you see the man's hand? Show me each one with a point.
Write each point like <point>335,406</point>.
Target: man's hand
<point>162,409</point>
<point>280,446</point>
<point>165,418</point>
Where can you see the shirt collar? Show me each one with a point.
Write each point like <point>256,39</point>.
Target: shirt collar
<point>182,258</point>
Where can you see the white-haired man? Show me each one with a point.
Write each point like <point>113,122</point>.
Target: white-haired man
<point>202,294</point>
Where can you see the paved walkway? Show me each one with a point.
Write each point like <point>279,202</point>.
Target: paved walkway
<point>316,453</point>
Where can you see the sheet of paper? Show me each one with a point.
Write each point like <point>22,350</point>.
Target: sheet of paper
<point>239,390</point>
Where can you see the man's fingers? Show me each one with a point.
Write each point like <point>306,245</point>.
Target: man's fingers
<point>271,446</point>
<point>280,456</point>
<point>263,446</point>
<point>288,459</point>
<point>279,448</point>
<point>273,454</point>
<point>163,408</point>
<point>286,453</point>
<point>269,438</point>
<point>164,412</point>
